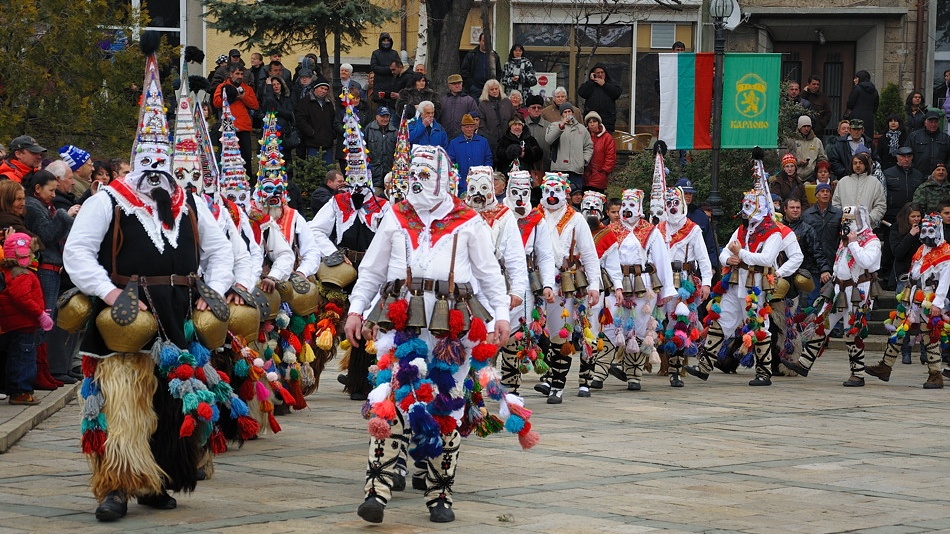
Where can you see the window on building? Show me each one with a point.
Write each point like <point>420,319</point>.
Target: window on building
<point>164,17</point>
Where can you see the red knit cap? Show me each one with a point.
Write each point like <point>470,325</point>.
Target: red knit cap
<point>788,158</point>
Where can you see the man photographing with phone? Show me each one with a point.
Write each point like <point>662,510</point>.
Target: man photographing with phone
<point>600,94</point>
<point>242,99</point>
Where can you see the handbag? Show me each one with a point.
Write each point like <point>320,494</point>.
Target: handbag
<point>293,138</point>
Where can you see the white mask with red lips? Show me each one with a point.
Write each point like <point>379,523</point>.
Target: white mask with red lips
<point>631,206</point>
<point>554,192</point>
<point>428,178</point>
<point>518,193</point>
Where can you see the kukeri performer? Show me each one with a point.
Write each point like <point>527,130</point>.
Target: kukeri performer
<point>137,247</point>
<point>433,347</point>
<point>846,297</point>
<point>530,340</point>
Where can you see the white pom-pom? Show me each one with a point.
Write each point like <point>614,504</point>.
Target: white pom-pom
<point>420,364</point>
<point>289,356</point>
<point>682,309</point>
<point>272,376</point>
<point>259,363</point>
<point>380,393</point>
<point>503,411</point>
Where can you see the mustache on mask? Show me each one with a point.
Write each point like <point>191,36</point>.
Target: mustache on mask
<point>358,199</point>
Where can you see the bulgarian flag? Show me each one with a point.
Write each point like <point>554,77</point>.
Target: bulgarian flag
<point>686,84</point>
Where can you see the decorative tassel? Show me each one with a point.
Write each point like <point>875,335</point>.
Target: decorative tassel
<point>218,444</point>
<point>272,421</point>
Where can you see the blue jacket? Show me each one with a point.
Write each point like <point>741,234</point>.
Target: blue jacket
<point>699,217</point>
<point>467,153</point>
<point>436,137</point>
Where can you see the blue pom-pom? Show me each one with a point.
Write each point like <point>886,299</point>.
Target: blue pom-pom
<point>241,368</point>
<point>747,360</point>
<point>89,388</point>
<point>169,357</point>
<point>201,354</point>
<point>411,349</point>
<point>514,424</point>
<point>691,350</point>
<point>215,412</point>
<point>238,407</point>
<point>683,293</point>
<point>407,373</point>
<point>402,391</point>
<point>384,377</point>
<point>174,387</point>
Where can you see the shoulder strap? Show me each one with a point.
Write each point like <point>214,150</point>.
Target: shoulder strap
<point>193,216</point>
<point>116,238</point>
<point>455,242</point>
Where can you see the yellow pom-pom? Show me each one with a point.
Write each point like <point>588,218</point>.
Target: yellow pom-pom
<point>370,347</point>
<point>345,344</point>
<point>325,340</point>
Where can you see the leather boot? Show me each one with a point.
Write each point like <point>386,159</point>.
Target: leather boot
<point>676,369</point>
<point>633,365</point>
<point>883,368</point>
<point>113,507</point>
<point>560,366</point>
<point>763,363</point>
<point>44,381</point>
<point>441,477</point>
<point>856,361</point>
<point>811,351</point>
<point>934,377</point>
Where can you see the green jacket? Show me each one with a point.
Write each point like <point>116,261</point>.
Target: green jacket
<point>931,193</point>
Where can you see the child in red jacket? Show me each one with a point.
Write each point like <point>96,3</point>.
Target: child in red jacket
<point>22,312</point>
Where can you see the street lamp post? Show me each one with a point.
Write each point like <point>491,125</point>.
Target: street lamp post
<point>719,10</point>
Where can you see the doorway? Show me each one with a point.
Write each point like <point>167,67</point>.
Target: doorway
<point>833,62</point>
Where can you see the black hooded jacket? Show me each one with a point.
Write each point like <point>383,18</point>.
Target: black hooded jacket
<point>379,63</point>
<point>863,101</point>
<point>601,98</point>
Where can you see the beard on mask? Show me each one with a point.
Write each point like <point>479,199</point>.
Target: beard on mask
<point>163,205</point>
<point>358,198</point>
<point>593,221</point>
<point>274,211</point>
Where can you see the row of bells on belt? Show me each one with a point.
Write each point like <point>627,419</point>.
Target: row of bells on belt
<point>636,286</point>
<point>573,281</point>
<point>438,323</point>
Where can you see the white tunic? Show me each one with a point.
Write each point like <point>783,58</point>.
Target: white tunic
<point>690,248</point>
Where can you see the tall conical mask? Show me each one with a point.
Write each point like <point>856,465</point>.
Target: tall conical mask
<point>186,161</point>
<point>658,190</point>
<point>358,175</point>
<point>210,172</point>
<point>232,183</point>
<point>398,185</point>
<point>151,150</point>
<point>271,188</point>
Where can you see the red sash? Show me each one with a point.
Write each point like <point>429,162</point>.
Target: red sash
<point>936,255</point>
<point>129,195</point>
<point>528,223</point>
<point>759,236</point>
<point>678,235</point>
<point>286,224</point>
<point>642,231</point>
<point>493,215</point>
<point>603,240</point>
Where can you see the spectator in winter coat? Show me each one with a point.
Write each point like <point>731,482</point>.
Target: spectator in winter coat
<point>518,74</point>
<point>455,103</point>
<point>468,150</point>
<point>417,91</point>
<point>479,66</point>
<point>826,220</point>
<point>931,145</point>
<point>552,112</point>
<point>495,110</point>
<point>600,94</point>
<point>604,157</point>
<point>861,189</point>
<point>384,85</point>
<point>242,99</point>
<point>425,130</point>
<point>380,138</point>
<point>934,190</point>
<point>571,146</point>
<point>902,182</point>
<point>315,114</point>
<point>905,240</point>
<point>894,137</point>
<point>842,151</point>
<point>24,157</point>
<point>537,126</point>
<point>915,111</point>
<point>863,100</point>
<point>278,100</point>
<point>64,198</point>
<point>517,143</point>
<point>807,149</point>
<point>223,71</point>
<point>786,184</point>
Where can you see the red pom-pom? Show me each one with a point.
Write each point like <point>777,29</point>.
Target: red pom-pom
<point>484,351</point>
<point>248,427</point>
<point>291,339</point>
<point>385,409</point>
<point>694,334</point>
<point>447,423</point>
<point>477,330</point>
<point>246,391</point>
<point>529,439</point>
<point>456,323</point>
<point>204,411</point>
<point>218,444</point>
<point>760,335</point>
<point>187,427</point>
<point>859,343</point>
<point>89,366</point>
<point>332,308</point>
<point>406,402</point>
<point>224,377</point>
<point>184,372</point>
<point>200,374</point>
<point>384,360</point>
<point>272,421</point>
<point>94,442</point>
<point>379,428</point>
<point>286,396</point>
<point>424,392</point>
<point>399,313</point>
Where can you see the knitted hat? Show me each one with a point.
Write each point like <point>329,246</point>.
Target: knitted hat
<point>593,115</point>
<point>822,187</point>
<point>186,160</point>
<point>788,158</point>
<point>151,150</point>
<point>74,156</point>
<point>17,247</point>
<point>565,106</point>
<point>804,120</point>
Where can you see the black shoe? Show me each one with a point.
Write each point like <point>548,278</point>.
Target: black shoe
<point>358,396</point>
<point>946,373</point>
<point>371,510</point>
<point>836,333</point>
<point>676,381</point>
<point>112,508</point>
<point>341,378</point>
<point>399,482</point>
<point>727,365</point>
<point>201,474</point>
<point>695,371</point>
<point>583,391</point>
<point>794,365</point>
<point>281,409</point>
<point>760,381</point>
<point>616,372</point>
<point>419,482</point>
<point>65,379</point>
<point>633,386</point>
<point>555,397</point>
<point>596,384</point>
<point>76,372</point>
<point>853,382</point>
<point>543,388</point>
<point>159,501</point>
<point>441,512</point>
<point>905,360</point>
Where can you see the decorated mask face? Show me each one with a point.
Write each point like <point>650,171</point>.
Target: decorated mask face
<point>931,230</point>
<point>675,206</point>
<point>518,194</point>
<point>148,181</point>
<point>631,206</point>
<point>271,192</point>
<point>754,206</point>
<point>189,177</point>
<point>428,177</point>
<point>240,196</point>
<point>554,192</point>
<point>593,204</point>
<point>481,189</point>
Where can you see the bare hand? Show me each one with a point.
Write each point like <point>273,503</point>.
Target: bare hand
<point>114,294</point>
<point>732,261</point>
<point>662,302</point>
<point>394,96</point>
<point>500,335</point>
<point>268,284</point>
<point>914,230</point>
<point>353,329</point>
<point>618,294</point>
<point>592,297</point>
<point>852,237</point>
<point>825,276</point>
<point>734,247</point>
<point>548,295</point>
<point>234,298</point>
<point>704,293</point>
<point>935,311</point>
<point>369,330</point>
<point>74,209</point>
<point>201,305</point>
<point>515,302</point>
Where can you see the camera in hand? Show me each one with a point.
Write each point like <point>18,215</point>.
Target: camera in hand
<point>845,230</point>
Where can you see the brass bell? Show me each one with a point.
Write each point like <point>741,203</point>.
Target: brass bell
<point>466,315</point>
<point>638,288</point>
<point>627,286</point>
<point>677,279</point>
<point>580,280</point>
<point>780,291</point>
<point>534,279</point>
<point>439,321</point>
<point>417,311</point>
<point>376,312</point>
<point>905,296</point>
<point>750,280</point>
<point>828,291</point>
<point>856,297</point>
<point>567,283</point>
<point>655,281</point>
<point>841,301</point>
<point>876,289</point>
<point>605,282</point>
<point>384,321</point>
<point>475,306</point>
